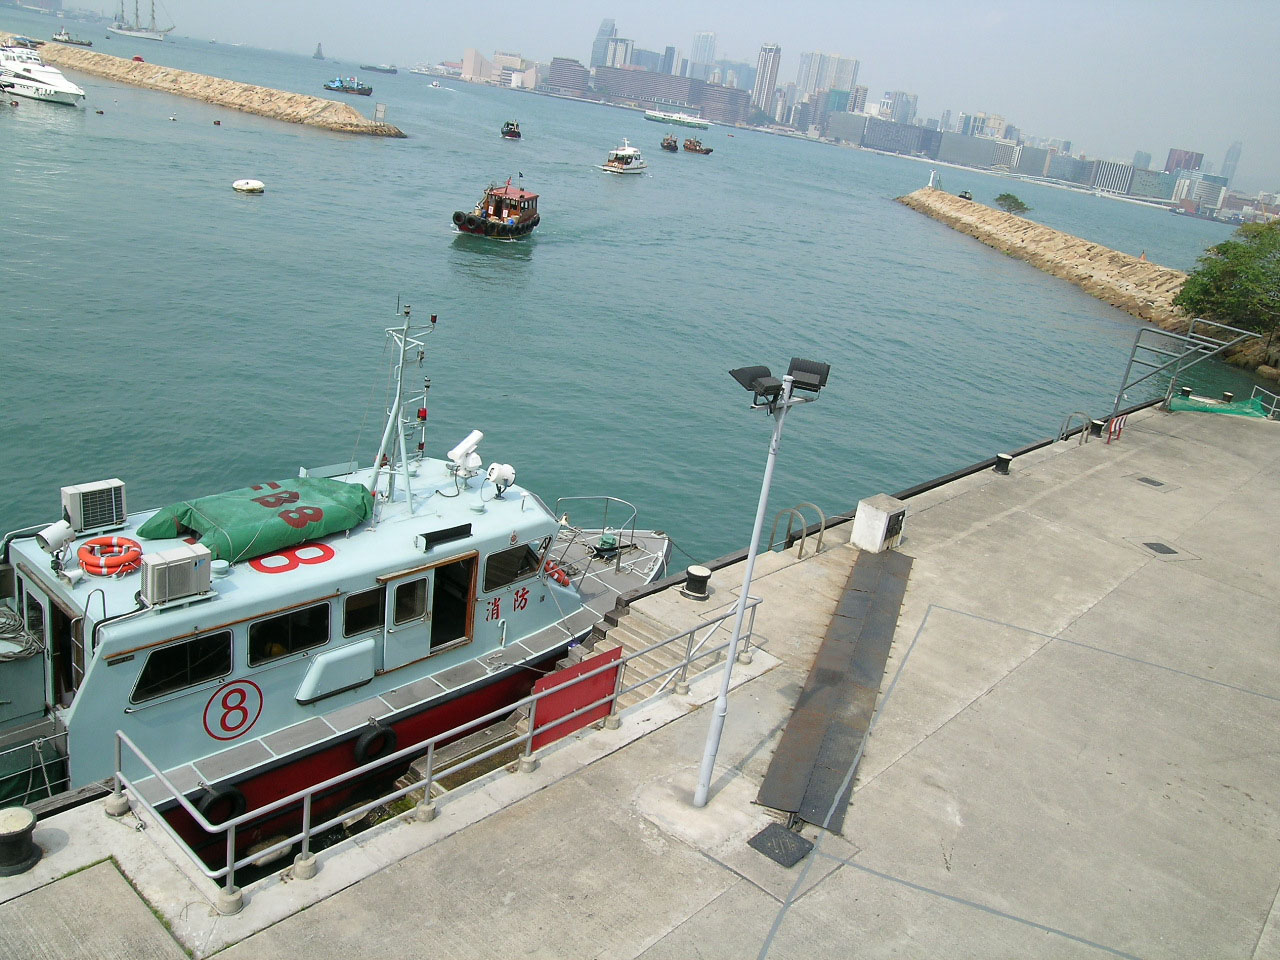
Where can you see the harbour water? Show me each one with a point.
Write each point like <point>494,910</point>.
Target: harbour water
<point>163,329</point>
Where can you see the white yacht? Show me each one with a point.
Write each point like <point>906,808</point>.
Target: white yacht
<point>624,159</point>
<point>22,72</point>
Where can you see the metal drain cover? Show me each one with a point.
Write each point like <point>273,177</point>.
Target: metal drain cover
<point>1151,482</point>
<point>1161,548</point>
<point>781,845</point>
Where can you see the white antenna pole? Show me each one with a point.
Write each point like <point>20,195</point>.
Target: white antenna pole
<point>401,337</point>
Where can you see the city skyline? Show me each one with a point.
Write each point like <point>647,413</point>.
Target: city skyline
<point>1112,78</point>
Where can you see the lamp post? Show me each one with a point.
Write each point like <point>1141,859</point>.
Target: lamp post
<point>776,397</point>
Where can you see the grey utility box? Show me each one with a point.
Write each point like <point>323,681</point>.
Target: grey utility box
<point>877,526</point>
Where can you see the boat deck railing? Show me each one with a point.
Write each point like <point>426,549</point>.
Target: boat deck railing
<point>571,534</point>
<point>699,655</point>
<point>36,769</point>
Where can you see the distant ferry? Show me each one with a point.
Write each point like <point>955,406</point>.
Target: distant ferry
<point>683,119</point>
<point>381,68</point>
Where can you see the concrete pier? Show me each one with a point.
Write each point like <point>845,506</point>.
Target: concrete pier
<point>1072,755</point>
<point>263,101</point>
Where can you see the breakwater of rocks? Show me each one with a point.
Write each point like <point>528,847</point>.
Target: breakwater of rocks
<point>263,101</point>
<point>1133,284</point>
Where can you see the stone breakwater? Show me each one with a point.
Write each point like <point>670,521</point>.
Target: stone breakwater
<point>265,102</point>
<point>1135,285</point>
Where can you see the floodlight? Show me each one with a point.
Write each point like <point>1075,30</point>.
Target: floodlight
<point>501,475</point>
<point>55,536</point>
<point>808,374</point>
<point>759,381</point>
<point>463,457</point>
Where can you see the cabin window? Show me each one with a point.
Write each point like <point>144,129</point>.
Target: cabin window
<point>411,601</point>
<point>363,611</point>
<point>184,665</point>
<point>35,616</point>
<point>289,633</point>
<point>508,566</point>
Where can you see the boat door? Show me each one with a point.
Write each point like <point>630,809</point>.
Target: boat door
<point>57,630</point>
<point>430,609</point>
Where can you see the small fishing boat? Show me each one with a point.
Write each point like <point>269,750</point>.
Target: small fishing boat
<point>624,159</point>
<point>63,37</point>
<point>670,144</point>
<point>436,84</point>
<point>348,85</point>
<point>503,213</point>
<point>511,130</point>
<point>694,145</point>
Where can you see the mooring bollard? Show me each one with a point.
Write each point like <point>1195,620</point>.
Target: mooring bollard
<point>1096,427</point>
<point>1228,397</point>
<point>1003,460</point>
<point>1186,391</point>
<point>18,853</point>
<point>696,579</point>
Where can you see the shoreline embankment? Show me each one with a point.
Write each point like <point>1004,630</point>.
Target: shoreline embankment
<point>246,97</point>
<point>1132,284</point>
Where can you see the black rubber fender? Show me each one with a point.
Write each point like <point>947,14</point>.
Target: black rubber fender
<point>459,218</point>
<point>220,804</point>
<point>472,221</point>
<point>490,228</point>
<point>376,742</point>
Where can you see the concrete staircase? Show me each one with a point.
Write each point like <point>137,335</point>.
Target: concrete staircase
<point>633,632</point>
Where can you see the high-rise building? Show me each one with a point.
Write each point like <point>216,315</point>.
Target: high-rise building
<point>599,47</point>
<point>617,52</point>
<point>1141,160</point>
<point>766,76</point>
<point>1112,177</point>
<point>1232,159</point>
<point>646,59</point>
<point>704,48</point>
<point>670,60</point>
<point>821,71</point>
<point>898,106</point>
<point>1183,160</point>
<point>944,124</point>
<point>858,99</point>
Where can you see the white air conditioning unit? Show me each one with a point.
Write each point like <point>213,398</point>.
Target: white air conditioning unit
<point>95,506</point>
<point>176,574</point>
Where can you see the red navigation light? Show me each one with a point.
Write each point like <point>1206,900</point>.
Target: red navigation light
<point>422,413</point>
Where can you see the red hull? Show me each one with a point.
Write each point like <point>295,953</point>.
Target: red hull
<point>334,758</point>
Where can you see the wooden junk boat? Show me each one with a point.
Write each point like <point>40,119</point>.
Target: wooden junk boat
<point>511,130</point>
<point>670,143</point>
<point>694,145</point>
<point>260,642</point>
<point>503,213</point>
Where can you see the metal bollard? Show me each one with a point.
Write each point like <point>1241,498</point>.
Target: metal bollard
<point>1096,427</point>
<point>696,579</point>
<point>1228,397</point>
<point>18,853</point>
<point>1003,460</point>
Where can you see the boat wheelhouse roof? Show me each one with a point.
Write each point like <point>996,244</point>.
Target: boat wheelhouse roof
<point>441,525</point>
<point>509,192</point>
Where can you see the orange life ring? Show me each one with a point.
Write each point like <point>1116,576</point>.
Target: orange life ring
<point>558,575</point>
<point>109,556</point>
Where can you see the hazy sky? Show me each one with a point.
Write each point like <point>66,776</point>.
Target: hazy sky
<point>1112,76</point>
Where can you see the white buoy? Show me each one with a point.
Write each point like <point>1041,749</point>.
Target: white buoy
<point>249,186</point>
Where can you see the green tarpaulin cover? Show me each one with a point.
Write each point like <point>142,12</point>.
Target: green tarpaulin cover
<point>1240,408</point>
<point>259,520</point>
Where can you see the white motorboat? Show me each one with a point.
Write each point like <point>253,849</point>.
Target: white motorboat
<point>624,159</point>
<point>22,72</point>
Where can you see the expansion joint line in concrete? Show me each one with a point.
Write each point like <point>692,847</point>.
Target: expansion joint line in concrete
<point>992,911</point>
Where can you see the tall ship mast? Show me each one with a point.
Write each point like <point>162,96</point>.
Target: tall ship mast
<point>136,29</point>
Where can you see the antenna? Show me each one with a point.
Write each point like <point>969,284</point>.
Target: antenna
<point>392,453</point>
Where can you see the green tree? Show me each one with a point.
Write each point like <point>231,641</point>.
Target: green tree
<point>1011,204</point>
<point>1238,281</point>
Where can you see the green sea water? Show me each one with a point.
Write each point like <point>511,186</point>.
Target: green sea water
<point>161,328</point>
